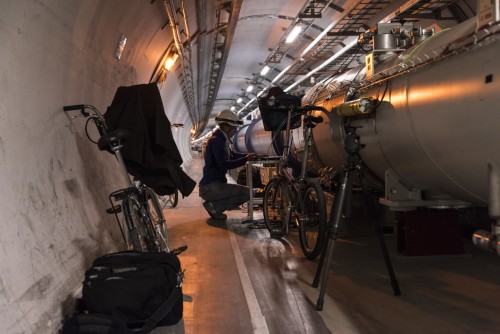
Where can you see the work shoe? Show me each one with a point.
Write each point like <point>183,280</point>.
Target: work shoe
<point>213,212</point>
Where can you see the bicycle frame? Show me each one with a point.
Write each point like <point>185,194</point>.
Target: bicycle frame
<point>137,193</point>
<point>134,197</point>
<point>286,147</point>
<point>300,195</point>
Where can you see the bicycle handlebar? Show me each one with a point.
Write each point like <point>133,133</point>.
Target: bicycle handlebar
<point>80,107</point>
<point>74,107</point>
<point>309,108</point>
<point>96,117</point>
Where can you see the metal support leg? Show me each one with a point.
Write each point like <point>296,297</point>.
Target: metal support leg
<point>342,205</point>
<point>333,232</point>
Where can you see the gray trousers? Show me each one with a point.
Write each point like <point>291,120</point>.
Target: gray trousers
<point>224,196</point>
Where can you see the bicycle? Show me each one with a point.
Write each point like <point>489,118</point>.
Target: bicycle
<point>301,198</point>
<point>142,213</point>
<point>170,200</point>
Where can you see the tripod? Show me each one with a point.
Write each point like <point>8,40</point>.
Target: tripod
<point>342,204</point>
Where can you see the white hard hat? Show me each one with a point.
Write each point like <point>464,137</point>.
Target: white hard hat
<point>229,117</point>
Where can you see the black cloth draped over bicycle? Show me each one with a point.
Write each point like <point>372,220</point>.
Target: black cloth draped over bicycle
<point>151,154</point>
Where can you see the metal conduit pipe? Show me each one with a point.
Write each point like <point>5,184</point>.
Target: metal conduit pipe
<point>185,57</point>
<point>423,128</point>
<point>435,126</point>
<point>172,19</point>
<point>184,16</point>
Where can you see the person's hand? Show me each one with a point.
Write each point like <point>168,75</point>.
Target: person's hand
<point>251,157</point>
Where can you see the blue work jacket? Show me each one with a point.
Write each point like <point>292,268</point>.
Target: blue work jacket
<point>217,161</point>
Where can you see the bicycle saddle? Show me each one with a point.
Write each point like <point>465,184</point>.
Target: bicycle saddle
<point>112,139</point>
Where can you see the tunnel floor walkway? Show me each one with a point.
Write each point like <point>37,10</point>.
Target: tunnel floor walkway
<point>239,280</point>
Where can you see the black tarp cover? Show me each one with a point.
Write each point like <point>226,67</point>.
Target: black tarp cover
<point>151,154</point>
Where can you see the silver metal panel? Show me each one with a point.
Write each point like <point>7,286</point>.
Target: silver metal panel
<point>259,140</point>
<point>239,141</point>
<point>439,125</point>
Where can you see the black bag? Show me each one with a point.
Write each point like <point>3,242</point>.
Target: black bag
<point>274,110</point>
<point>94,324</point>
<point>143,289</point>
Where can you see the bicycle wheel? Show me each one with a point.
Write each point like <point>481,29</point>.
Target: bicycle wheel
<point>157,218</point>
<point>277,208</point>
<point>174,198</point>
<point>170,201</point>
<point>312,229</point>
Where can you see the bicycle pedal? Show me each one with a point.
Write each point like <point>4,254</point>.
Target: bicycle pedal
<point>114,209</point>
<point>179,250</point>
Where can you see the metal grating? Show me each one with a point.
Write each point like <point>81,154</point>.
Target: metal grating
<point>352,24</point>
<point>416,10</point>
<point>313,9</point>
<point>412,11</point>
<point>349,25</point>
<point>282,49</point>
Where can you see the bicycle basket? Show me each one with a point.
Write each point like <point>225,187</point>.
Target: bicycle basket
<point>274,110</point>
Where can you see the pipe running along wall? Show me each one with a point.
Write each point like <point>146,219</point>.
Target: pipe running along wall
<point>435,127</point>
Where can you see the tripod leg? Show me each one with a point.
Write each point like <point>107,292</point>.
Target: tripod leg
<point>378,229</point>
<point>329,232</point>
<point>333,231</point>
<point>388,264</point>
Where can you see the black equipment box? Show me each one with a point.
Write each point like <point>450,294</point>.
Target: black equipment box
<point>274,110</point>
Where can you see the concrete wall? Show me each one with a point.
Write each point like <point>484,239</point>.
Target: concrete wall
<point>54,182</point>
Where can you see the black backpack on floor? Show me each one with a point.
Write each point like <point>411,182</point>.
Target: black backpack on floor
<point>94,324</point>
<point>144,290</point>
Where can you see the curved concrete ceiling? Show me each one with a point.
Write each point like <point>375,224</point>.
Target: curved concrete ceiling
<point>223,46</point>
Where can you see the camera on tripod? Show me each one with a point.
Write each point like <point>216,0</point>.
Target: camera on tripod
<point>352,141</point>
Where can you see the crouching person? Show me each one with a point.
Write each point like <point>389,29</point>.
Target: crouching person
<point>219,195</point>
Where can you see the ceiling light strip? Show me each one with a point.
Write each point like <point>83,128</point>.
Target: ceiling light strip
<point>317,39</point>
<point>293,34</point>
<point>328,61</point>
<point>281,73</point>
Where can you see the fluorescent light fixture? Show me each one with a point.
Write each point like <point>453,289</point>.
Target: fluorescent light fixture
<point>317,39</point>
<point>249,88</point>
<point>265,69</point>
<point>260,93</point>
<point>120,46</point>
<point>233,108</point>
<point>293,34</point>
<point>281,73</point>
<point>349,46</point>
<point>169,63</point>
<point>239,100</point>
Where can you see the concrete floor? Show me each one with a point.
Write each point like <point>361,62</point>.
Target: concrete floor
<point>238,280</point>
